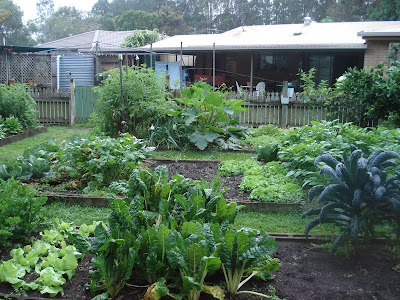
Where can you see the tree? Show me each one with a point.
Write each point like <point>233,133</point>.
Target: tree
<point>45,9</point>
<point>170,21</point>
<point>142,37</point>
<point>384,10</point>
<point>135,19</point>
<point>65,22</point>
<point>12,28</point>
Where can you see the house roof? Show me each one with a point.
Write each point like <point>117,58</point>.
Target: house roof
<point>107,41</point>
<point>381,32</point>
<point>342,35</point>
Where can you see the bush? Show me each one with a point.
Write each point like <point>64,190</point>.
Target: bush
<point>19,210</point>
<point>144,97</point>
<point>209,117</point>
<point>16,101</point>
<point>371,94</point>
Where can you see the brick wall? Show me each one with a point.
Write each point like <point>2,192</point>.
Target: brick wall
<point>377,52</point>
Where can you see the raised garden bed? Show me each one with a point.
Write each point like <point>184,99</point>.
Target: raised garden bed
<point>29,132</point>
<point>308,272</point>
<point>197,170</point>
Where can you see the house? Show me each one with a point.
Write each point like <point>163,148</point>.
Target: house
<point>276,53</point>
<point>85,55</point>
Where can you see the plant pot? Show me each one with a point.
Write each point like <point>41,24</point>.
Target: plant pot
<point>11,81</point>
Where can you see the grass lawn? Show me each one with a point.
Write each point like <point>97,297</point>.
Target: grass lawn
<point>10,152</point>
<point>270,222</point>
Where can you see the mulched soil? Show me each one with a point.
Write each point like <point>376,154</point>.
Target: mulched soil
<point>206,170</point>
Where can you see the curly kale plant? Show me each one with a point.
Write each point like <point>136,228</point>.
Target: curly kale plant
<point>362,196</point>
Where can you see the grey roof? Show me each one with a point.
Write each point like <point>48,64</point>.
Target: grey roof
<point>382,32</point>
<point>107,41</point>
<point>341,35</point>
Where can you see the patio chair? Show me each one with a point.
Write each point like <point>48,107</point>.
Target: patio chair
<point>260,89</point>
<point>238,89</point>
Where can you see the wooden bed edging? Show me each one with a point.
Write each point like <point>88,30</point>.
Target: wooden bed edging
<point>98,201</point>
<point>29,132</point>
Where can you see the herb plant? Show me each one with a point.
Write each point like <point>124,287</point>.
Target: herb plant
<point>363,194</point>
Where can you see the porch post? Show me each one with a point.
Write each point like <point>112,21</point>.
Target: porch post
<point>251,72</point>
<point>72,112</point>
<point>126,62</point>
<point>181,72</point>
<point>213,65</point>
<point>151,56</point>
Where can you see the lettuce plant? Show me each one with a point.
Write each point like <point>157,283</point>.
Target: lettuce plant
<point>362,196</point>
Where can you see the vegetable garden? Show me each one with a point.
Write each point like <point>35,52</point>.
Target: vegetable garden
<point>173,230</point>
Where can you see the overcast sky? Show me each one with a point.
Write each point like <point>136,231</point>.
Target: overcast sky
<point>29,6</point>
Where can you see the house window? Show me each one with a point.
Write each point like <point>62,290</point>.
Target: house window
<point>323,65</point>
<point>273,62</point>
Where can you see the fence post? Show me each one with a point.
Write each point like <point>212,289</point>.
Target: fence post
<point>284,102</point>
<point>72,111</point>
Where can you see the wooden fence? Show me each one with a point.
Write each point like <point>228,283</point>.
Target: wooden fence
<point>268,109</point>
<point>54,107</point>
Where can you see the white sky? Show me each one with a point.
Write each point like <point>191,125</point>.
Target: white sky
<point>29,6</point>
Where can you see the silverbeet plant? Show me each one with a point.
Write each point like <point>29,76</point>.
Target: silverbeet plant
<point>364,194</point>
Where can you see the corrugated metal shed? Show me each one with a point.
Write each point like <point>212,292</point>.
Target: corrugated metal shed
<point>79,67</point>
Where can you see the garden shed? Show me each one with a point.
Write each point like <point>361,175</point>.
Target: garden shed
<point>84,55</point>
<point>275,53</point>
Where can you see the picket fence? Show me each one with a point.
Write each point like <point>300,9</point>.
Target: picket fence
<point>54,108</point>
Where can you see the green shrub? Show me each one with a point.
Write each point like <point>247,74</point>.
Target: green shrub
<point>371,94</point>
<point>19,210</point>
<point>362,196</point>
<point>15,100</point>
<point>209,117</point>
<point>144,97</point>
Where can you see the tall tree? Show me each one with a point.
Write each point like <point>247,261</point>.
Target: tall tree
<point>170,21</point>
<point>383,10</point>
<point>135,19</point>
<point>12,28</point>
<point>65,22</point>
<point>45,9</point>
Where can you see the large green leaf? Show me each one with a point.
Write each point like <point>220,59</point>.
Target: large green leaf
<point>201,140</point>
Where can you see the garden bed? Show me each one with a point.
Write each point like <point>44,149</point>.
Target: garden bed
<point>29,132</point>
<point>197,170</point>
<point>308,272</point>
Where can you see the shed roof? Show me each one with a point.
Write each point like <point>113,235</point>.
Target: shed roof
<point>343,35</point>
<point>107,41</point>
